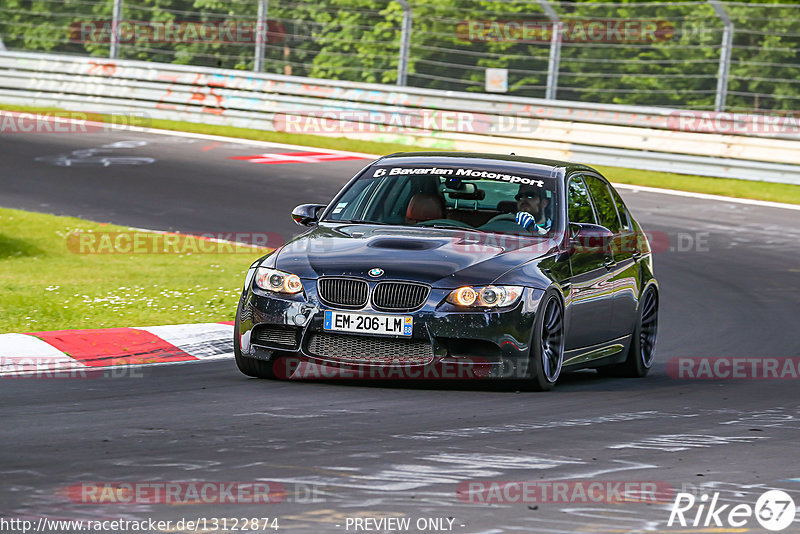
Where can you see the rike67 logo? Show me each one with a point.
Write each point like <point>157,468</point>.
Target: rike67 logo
<point>774,510</point>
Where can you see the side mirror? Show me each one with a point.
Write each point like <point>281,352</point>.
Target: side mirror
<point>307,214</point>
<point>590,238</point>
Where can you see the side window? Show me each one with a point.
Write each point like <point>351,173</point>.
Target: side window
<point>579,205</point>
<point>604,202</point>
<point>622,210</point>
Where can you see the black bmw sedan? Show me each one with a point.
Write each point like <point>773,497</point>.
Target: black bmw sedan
<point>505,266</point>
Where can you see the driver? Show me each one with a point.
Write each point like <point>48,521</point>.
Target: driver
<point>532,202</point>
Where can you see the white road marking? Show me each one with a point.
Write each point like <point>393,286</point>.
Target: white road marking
<point>683,442</point>
<point>469,432</point>
<point>705,196</point>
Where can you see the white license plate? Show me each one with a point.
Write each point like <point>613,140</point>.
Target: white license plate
<point>364,323</point>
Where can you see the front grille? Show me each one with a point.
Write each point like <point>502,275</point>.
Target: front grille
<point>369,350</point>
<point>285,337</point>
<point>344,292</point>
<point>399,296</point>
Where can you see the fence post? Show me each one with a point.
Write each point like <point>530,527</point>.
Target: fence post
<point>2,45</point>
<point>405,43</point>
<point>261,35</point>
<point>116,17</point>
<point>555,50</point>
<point>724,55</point>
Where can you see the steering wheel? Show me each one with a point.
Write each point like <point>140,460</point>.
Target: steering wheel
<point>503,217</point>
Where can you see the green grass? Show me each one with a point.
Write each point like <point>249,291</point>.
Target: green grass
<point>699,184</point>
<point>48,285</point>
<point>786,193</point>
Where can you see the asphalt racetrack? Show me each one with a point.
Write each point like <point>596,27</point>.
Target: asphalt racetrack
<point>730,285</point>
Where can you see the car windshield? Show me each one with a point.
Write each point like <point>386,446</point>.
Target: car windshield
<point>478,199</point>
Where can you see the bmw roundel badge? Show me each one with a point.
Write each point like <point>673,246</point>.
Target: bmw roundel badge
<point>376,272</point>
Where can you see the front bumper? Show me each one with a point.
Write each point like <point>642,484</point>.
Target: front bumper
<point>496,342</point>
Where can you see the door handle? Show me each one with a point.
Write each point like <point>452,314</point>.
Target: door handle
<point>636,254</point>
<point>609,263</point>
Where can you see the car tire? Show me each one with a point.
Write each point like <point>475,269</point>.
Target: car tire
<point>250,366</point>
<point>547,344</point>
<point>641,350</point>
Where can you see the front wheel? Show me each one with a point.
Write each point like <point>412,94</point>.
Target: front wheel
<point>547,347</point>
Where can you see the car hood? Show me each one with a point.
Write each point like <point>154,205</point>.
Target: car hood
<point>441,257</point>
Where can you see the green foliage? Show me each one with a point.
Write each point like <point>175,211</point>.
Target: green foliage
<point>359,40</point>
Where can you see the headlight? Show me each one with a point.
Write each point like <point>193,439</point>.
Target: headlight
<point>278,281</point>
<point>485,297</point>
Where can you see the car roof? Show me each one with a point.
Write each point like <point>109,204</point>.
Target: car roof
<point>538,166</point>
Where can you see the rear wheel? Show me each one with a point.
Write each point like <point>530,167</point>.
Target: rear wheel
<point>642,349</point>
<point>250,366</point>
<point>547,347</point>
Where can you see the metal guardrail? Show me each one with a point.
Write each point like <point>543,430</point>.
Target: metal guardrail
<point>625,136</point>
<point>701,54</point>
